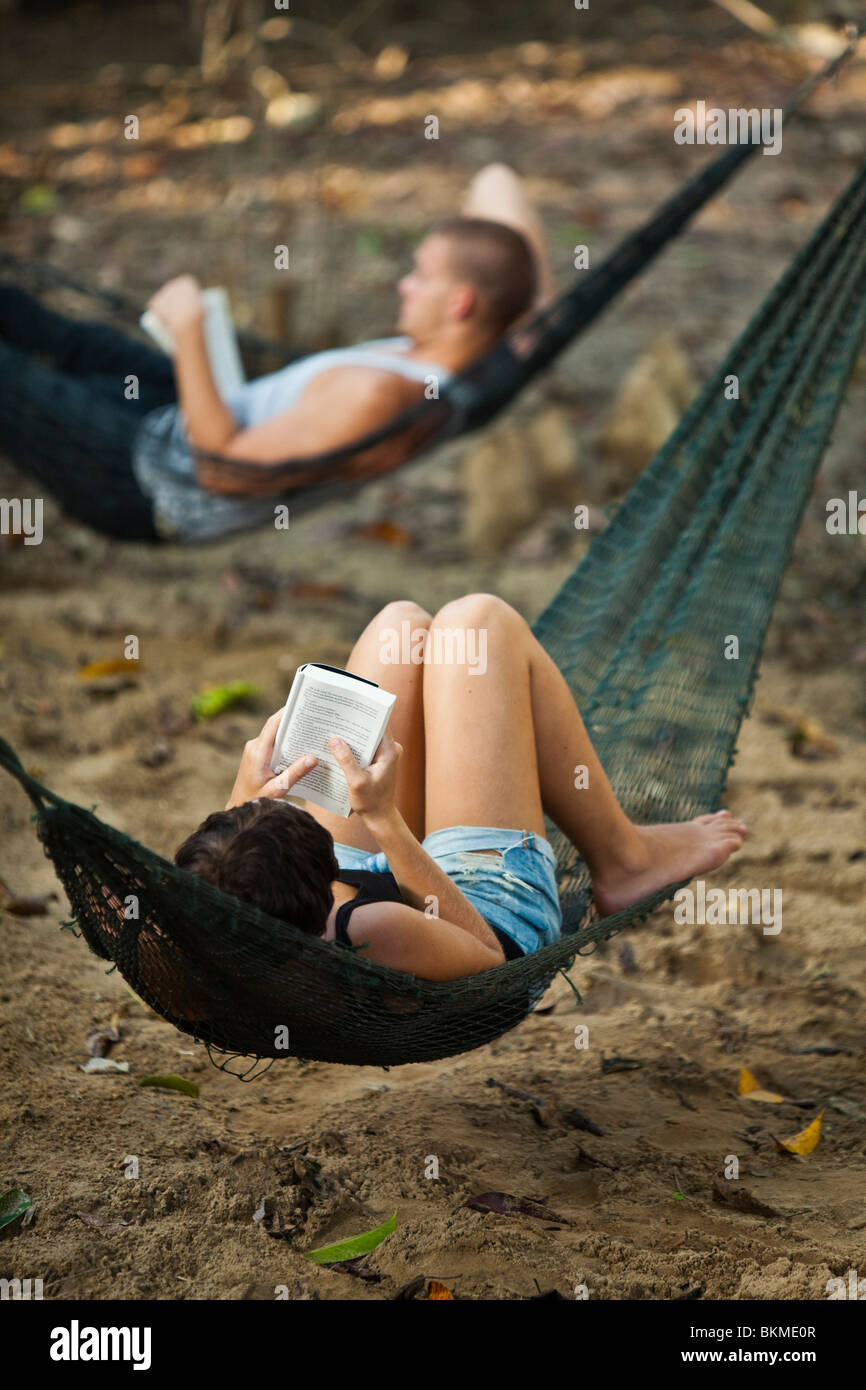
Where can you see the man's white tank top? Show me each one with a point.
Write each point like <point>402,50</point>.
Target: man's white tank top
<point>270,395</point>
<point>164,465</point>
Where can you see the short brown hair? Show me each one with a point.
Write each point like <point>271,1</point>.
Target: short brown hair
<point>498,261</point>
<point>268,853</point>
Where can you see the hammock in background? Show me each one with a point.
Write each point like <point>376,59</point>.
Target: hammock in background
<point>477,395</point>
<point>695,553</point>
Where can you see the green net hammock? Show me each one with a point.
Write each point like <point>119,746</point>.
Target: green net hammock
<point>694,555</point>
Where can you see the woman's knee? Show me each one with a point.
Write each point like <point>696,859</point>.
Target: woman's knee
<point>392,623</point>
<point>479,610</point>
<point>401,610</point>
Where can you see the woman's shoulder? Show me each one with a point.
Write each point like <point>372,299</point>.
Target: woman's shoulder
<point>406,939</point>
<point>386,913</point>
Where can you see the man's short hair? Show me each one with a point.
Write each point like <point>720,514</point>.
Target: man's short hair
<point>498,261</point>
<point>268,853</point>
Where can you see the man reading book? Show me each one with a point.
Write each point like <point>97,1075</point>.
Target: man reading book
<point>119,432</point>
<point>443,869</point>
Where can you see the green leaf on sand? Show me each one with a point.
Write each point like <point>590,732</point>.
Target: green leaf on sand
<point>209,703</point>
<point>171,1083</point>
<point>351,1249</point>
<point>13,1204</point>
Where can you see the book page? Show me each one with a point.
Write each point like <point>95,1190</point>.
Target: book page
<point>220,339</point>
<point>222,343</point>
<point>320,713</point>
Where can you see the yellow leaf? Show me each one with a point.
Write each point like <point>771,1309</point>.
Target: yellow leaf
<point>750,1090</point>
<point>806,1140</point>
<point>118,666</point>
<point>438,1290</point>
<point>808,740</point>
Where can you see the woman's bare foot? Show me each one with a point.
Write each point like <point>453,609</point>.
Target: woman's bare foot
<point>663,854</point>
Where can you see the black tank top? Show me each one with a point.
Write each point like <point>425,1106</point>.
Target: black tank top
<point>372,888</point>
<point>383,888</point>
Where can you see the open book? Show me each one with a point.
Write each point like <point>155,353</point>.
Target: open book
<point>219,335</point>
<point>324,701</point>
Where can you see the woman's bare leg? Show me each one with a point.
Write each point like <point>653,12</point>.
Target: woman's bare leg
<point>497,193</point>
<point>482,766</point>
<point>406,681</point>
<point>494,726</point>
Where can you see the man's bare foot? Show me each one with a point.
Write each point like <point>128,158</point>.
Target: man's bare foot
<point>664,854</point>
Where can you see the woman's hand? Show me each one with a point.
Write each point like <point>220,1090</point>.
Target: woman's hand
<point>178,304</point>
<point>255,777</point>
<point>371,789</point>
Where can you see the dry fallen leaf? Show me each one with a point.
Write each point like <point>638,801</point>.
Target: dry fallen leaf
<point>117,666</point>
<point>750,1090</point>
<point>806,1140</point>
<point>310,588</point>
<point>36,906</point>
<point>105,1223</point>
<point>505,1204</point>
<point>437,1290</point>
<point>357,1268</point>
<point>412,1289</point>
<point>387,532</point>
<point>542,1110</point>
<point>99,1041</point>
<point>613,1064</point>
<point>806,739</point>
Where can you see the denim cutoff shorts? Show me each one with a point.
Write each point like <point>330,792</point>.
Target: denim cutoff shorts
<point>514,889</point>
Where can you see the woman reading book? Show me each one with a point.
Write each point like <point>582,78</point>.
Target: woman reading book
<point>443,869</point>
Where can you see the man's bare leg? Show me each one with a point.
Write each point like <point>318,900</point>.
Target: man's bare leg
<point>497,193</point>
<point>405,680</point>
<point>480,770</point>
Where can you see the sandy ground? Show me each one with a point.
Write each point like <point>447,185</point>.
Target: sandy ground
<point>692,1004</point>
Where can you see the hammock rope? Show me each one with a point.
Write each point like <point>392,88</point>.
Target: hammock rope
<point>695,554</point>
<point>485,388</point>
<point>715,514</point>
